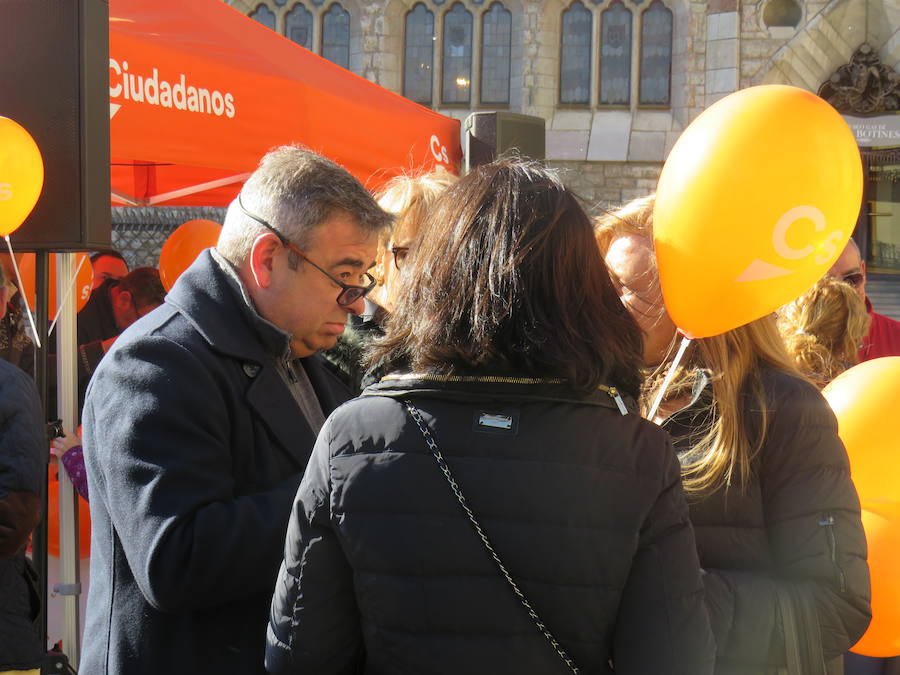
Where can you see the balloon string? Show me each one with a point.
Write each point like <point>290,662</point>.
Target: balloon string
<point>37,338</point>
<point>69,287</point>
<point>669,377</point>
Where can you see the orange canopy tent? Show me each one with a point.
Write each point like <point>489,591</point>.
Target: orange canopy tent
<point>199,92</point>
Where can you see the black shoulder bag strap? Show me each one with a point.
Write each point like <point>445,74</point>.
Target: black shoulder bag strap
<point>432,445</point>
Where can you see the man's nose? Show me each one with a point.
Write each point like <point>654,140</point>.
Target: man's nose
<point>356,307</point>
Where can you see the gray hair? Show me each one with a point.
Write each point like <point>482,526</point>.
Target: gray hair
<point>295,190</point>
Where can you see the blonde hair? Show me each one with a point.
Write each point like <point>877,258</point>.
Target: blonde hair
<point>735,428</point>
<point>634,218</point>
<point>410,198</point>
<point>822,329</point>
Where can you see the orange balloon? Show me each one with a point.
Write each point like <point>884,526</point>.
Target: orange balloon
<point>757,199</point>
<point>864,400</point>
<point>84,519</point>
<point>84,279</point>
<point>882,525</point>
<point>183,246</point>
<point>21,175</point>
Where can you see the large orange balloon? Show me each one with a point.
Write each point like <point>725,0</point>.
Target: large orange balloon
<point>21,175</point>
<point>83,281</point>
<point>757,199</point>
<point>183,246</point>
<point>882,525</point>
<point>866,401</point>
<point>84,518</point>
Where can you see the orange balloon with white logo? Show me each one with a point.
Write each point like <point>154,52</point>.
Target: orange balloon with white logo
<point>81,283</point>
<point>757,199</point>
<point>21,175</point>
<point>183,246</point>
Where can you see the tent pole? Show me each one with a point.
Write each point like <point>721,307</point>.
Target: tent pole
<point>69,586</point>
<point>39,538</point>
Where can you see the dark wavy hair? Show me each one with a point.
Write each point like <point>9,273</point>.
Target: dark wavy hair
<point>505,279</point>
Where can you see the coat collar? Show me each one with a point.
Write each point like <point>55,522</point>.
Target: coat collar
<point>468,388</point>
<point>212,298</point>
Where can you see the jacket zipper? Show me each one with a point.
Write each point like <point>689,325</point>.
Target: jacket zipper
<point>828,523</point>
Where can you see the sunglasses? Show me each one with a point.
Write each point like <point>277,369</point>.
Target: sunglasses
<point>400,253</point>
<point>349,293</point>
<point>854,279</point>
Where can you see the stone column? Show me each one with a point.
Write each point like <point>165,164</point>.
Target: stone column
<point>722,49</point>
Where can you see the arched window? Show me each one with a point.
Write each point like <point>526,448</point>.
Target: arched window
<point>656,54</point>
<point>419,55</point>
<point>336,35</point>
<point>457,64</point>
<point>782,13</point>
<point>264,15</point>
<point>496,48</point>
<point>298,26</point>
<point>615,55</point>
<point>575,55</point>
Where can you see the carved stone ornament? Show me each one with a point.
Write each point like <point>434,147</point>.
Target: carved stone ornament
<point>865,86</point>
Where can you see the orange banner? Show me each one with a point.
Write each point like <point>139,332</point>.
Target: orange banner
<point>199,92</point>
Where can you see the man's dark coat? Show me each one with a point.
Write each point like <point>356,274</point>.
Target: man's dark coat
<point>194,449</point>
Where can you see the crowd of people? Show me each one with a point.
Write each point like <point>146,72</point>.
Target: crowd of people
<point>409,434</point>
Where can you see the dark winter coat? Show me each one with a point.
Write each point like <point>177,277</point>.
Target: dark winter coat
<point>23,461</point>
<point>194,448</point>
<point>383,573</point>
<point>788,554</point>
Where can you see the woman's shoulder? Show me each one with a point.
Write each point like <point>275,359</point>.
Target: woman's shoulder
<point>792,396</point>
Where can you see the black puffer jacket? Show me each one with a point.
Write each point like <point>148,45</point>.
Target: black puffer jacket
<point>384,574</point>
<point>23,458</point>
<point>787,555</point>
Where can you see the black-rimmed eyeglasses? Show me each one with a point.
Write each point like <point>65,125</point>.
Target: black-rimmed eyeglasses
<point>349,293</point>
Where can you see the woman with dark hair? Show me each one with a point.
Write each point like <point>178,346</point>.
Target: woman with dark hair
<point>498,509</point>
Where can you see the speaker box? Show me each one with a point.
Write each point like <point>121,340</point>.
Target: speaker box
<point>54,81</point>
<point>490,134</point>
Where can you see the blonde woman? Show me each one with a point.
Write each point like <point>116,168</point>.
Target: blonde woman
<point>409,198</point>
<point>776,516</point>
<point>823,329</point>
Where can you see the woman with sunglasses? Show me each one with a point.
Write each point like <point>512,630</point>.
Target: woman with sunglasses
<point>776,516</point>
<point>492,506</point>
<point>409,198</point>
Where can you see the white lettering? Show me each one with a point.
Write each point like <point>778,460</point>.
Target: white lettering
<point>437,151</point>
<point>6,192</point>
<point>115,91</point>
<point>791,216</point>
<point>178,94</point>
<point>829,248</point>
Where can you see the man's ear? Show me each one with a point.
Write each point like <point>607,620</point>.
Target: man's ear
<point>262,258</point>
<point>378,270</point>
<point>121,298</point>
<point>862,267</point>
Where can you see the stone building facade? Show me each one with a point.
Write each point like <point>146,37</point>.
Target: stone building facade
<point>582,65</point>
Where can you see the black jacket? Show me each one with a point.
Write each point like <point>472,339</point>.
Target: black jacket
<point>194,449</point>
<point>23,460</point>
<point>788,554</point>
<point>384,574</point>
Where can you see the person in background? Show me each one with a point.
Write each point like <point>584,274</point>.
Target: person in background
<point>200,420</point>
<point>883,338</point>
<point>16,345</point>
<point>107,265</point>
<point>409,198</point>
<point>520,354</point>
<point>23,455</point>
<point>67,449</point>
<point>776,516</point>
<point>823,328</point>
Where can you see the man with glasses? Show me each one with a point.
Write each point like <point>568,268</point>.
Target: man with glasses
<point>883,338</point>
<point>200,421</point>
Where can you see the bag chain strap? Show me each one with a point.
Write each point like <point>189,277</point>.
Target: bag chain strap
<point>432,445</point>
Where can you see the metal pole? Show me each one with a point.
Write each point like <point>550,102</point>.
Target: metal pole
<point>39,539</point>
<point>69,586</point>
